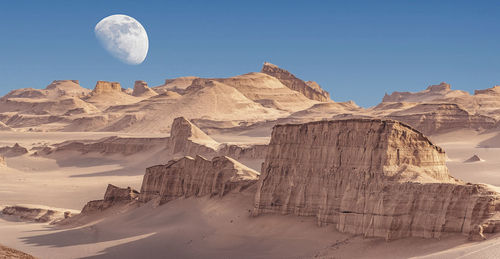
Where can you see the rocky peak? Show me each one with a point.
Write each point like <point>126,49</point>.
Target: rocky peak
<point>107,87</point>
<point>141,89</point>
<point>310,90</point>
<point>184,132</point>
<point>440,87</point>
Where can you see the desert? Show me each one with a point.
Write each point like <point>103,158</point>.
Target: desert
<point>318,179</point>
<point>249,129</point>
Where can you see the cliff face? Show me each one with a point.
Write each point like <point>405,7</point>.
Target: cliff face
<point>310,90</point>
<point>197,177</point>
<point>378,178</point>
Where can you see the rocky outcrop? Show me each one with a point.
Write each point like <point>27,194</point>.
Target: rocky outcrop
<point>113,196</point>
<point>7,252</point>
<point>432,93</point>
<point>377,178</point>
<point>40,214</point>
<point>106,87</point>
<point>310,90</point>
<point>495,90</point>
<point>196,177</point>
<point>141,89</point>
<point>188,139</point>
<point>15,150</point>
<point>472,159</point>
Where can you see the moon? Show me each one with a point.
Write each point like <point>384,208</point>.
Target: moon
<point>124,38</point>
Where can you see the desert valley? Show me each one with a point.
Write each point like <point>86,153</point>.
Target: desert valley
<point>260,165</point>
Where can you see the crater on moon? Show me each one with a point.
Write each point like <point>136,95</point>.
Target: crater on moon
<point>123,37</point>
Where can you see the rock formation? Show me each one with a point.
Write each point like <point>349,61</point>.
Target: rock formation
<point>113,196</point>
<point>7,252</point>
<point>377,178</point>
<point>15,150</point>
<point>472,159</point>
<point>311,89</point>
<point>141,89</point>
<point>106,87</point>
<point>40,214</point>
<point>2,161</point>
<point>188,139</point>
<point>197,177</point>
<point>432,118</point>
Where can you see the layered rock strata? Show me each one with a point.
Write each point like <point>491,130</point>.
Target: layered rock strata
<point>377,178</point>
<point>196,177</point>
<point>114,195</point>
<point>309,89</point>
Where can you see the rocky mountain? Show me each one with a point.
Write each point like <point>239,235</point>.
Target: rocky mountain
<point>309,89</point>
<point>377,178</point>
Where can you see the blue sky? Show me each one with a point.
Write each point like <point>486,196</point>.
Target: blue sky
<point>356,50</point>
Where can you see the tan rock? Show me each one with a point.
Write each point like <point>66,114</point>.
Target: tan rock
<point>311,90</point>
<point>37,213</point>
<point>141,89</point>
<point>377,178</point>
<point>197,177</point>
<point>113,196</point>
<point>106,87</point>
<point>15,150</point>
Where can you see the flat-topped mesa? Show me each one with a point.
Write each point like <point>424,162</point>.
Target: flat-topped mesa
<point>440,87</point>
<point>106,87</point>
<point>187,177</point>
<point>186,138</point>
<point>141,89</point>
<point>114,195</point>
<point>377,178</point>
<point>495,90</point>
<point>309,89</point>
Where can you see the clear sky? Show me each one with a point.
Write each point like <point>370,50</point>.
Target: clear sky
<point>356,50</point>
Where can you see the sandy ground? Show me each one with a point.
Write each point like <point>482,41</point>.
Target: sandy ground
<point>209,228</point>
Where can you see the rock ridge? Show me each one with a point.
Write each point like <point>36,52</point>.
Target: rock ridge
<point>309,89</point>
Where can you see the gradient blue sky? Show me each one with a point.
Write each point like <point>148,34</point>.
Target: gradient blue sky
<point>357,50</point>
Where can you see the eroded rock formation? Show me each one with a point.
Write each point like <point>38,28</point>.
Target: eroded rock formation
<point>15,150</point>
<point>197,177</point>
<point>106,87</point>
<point>141,89</point>
<point>377,178</point>
<point>40,214</point>
<point>309,89</point>
<point>113,196</point>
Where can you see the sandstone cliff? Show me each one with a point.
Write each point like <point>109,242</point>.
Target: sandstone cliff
<point>197,177</point>
<point>377,178</point>
<point>310,89</point>
<point>113,196</point>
